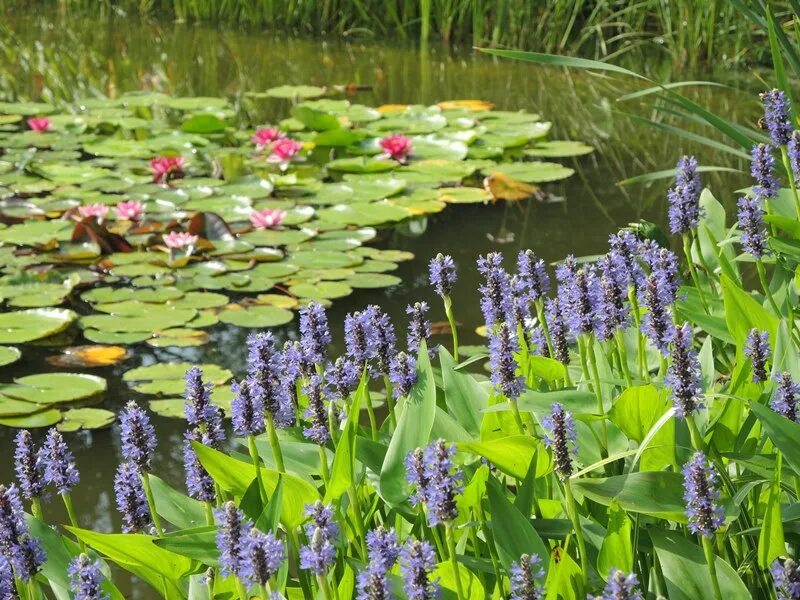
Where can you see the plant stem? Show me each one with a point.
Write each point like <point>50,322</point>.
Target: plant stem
<point>694,434</point>
<point>73,520</point>
<point>790,173</point>
<point>451,550</point>
<point>762,277</point>
<point>589,343</point>
<point>251,446</point>
<point>644,372</point>
<point>151,503</point>
<point>358,518</point>
<point>623,357</point>
<point>687,250</point>
<point>572,509</point>
<point>517,418</point>
<point>390,400</point>
<point>545,329</point>
<point>275,445</point>
<point>324,586</point>
<point>323,462</point>
<point>209,510</point>
<point>240,589</point>
<point>708,550</point>
<point>448,310</point>
<point>36,508</point>
<point>373,423</point>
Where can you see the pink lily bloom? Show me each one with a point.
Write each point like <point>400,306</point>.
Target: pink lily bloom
<point>98,211</point>
<point>165,168</point>
<point>396,146</point>
<point>284,150</point>
<point>130,210</point>
<point>179,239</point>
<point>268,218</point>
<point>264,136</point>
<point>40,124</point>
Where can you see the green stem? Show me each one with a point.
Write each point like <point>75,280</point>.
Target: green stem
<point>209,511</point>
<point>263,592</point>
<point>589,343</point>
<point>545,329</point>
<point>762,277</point>
<point>73,520</point>
<point>448,310</point>
<point>251,446</point>
<point>323,462</point>
<point>517,417</point>
<point>275,445</point>
<point>36,508</point>
<point>623,357</point>
<point>151,503</point>
<point>451,550</point>
<point>572,509</point>
<point>708,550</point>
<point>706,267</point>
<point>644,372</point>
<point>294,550</point>
<point>694,434</point>
<point>358,518</point>
<point>324,586</point>
<point>373,423</point>
<point>790,173</point>
<point>240,589</point>
<point>687,250</point>
<point>390,400</point>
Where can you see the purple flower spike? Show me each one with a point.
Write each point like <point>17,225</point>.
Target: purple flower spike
<point>751,223</point>
<point>27,556</point>
<point>318,431</point>
<point>419,328</point>
<point>533,272</point>
<point>131,499</point>
<point>559,330</point>
<point>612,308</point>
<point>359,336</point>
<point>580,289</point>
<point>319,555</point>
<point>199,483</point>
<point>503,364</point>
<point>496,293</point>
<point>777,116</point>
<point>29,467</point>
<point>794,155</point>
<point>385,340</point>
<point>442,274</point>
<point>59,463</point>
<point>757,349</point>
<point>787,395</point>
<point>524,578</point>
<point>684,198</point>
<point>8,591</point>
<point>762,170</point>
<point>293,363</point>
<point>787,579</point>
<point>701,493</point>
<point>314,332</point>
<point>263,556</point>
<point>201,414</point>
<point>247,410</point>
<point>137,436</point>
<point>561,438</point>
<point>417,561</point>
<point>657,323</point>
<point>384,548</point>
<point>232,536</point>
<point>437,480</point>
<point>341,378</point>
<point>621,586</point>
<point>267,382</point>
<point>12,518</point>
<point>403,374</point>
<point>624,255</point>
<point>86,579</point>
<point>683,375</point>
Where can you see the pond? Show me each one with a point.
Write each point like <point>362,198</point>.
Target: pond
<point>67,57</point>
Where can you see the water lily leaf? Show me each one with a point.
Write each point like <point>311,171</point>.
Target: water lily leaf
<point>135,317</point>
<point>323,289</point>
<point>76,419</point>
<point>361,164</point>
<point>113,337</point>
<point>532,172</point>
<point>293,92</point>
<point>36,232</point>
<point>559,148</point>
<point>179,337</point>
<point>27,325</point>
<point>372,280</point>
<point>364,213</point>
<point>197,103</point>
<point>176,370</point>
<point>8,355</point>
<point>89,356</point>
<point>257,316</point>
<point>203,124</point>
<point>434,147</point>
<point>9,407</point>
<point>315,120</point>
<point>45,418</point>
<point>51,388</point>
<point>325,260</point>
<point>199,300</point>
<point>277,237</point>
<point>464,195</point>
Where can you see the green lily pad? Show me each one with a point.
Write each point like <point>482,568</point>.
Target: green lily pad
<point>178,337</point>
<point>8,355</point>
<point>464,195</point>
<point>372,280</point>
<point>167,378</point>
<point>36,232</point>
<point>27,325</point>
<point>114,337</point>
<point>559,148</point>
<point>324,259</point>
<point>45,418</point>
<point>323,289</point>
<point>364,213</point>
<point>532,172</point>
<point>135,317</point>
<point>76,419</point>
<point>257,316</point>
<point>51,388</point>
<point>294,91</point>
<point>361,164</point>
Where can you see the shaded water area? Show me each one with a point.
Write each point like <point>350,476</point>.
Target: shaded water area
<point>67,57</point>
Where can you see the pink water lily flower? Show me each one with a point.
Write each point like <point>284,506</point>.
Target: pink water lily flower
<point>98,211</point>
<point>130,210</point>
<point>165,168</point>
<point>396,146</point>
<point>179,239</point>
<point>284,150</point>
<point>40,124</point>
<point>264,136</point>
<point>268,218</point>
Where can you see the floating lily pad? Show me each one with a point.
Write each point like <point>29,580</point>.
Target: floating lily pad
<point>8,355</point>
<point>178,337</point>
<point>167,378</point>
<point>44,418</point>
<point>559,148</point>
<point>28,325</point>
<point>324,259</point>
<point>36,232</point>
<point>372,280</point>
<point>532,172</point>
<point>323,289</point>
<point>256,316</point>
<point>76,419</point>
<point>295,91</point>
<point>52,388</point>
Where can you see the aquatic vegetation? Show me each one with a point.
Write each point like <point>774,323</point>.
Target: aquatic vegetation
<point>651,456</point>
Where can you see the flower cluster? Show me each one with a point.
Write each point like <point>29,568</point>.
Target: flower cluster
<point>383,547</point>
<point>86,579</point>
<point>621,586</point>
<point>786,397</point>
<point>561,438</point>
<point>684,198</point>
<point>24,552</point>
<point>525,575</point>
<point>442,274</point>
<point>757,349</point>
<point>205,426</point>
<point>496,293</point>
<point>502,363</point>
<point>786,576</point>
<point>437,481</point>
<point>417,560</point>
<point>322,532</point>
<point>777,116</point>
<point>701,493</point>
<point>683,375</point>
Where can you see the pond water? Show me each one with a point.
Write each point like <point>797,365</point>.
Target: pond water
<point>70,57</point>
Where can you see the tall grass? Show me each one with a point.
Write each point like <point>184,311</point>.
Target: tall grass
<point>688,30</point>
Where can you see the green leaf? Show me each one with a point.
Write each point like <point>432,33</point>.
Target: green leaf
<point>198,544</point>
<point>470,584</point>
<point>635,412</point>
<point>771,544</point>
<point>783,432</point>
<point>203,124</point>
<point>465,397</point>
<point>743,312</point>
<point>180,510</point>
<point>513,533</point>
<point>512,454</point>
<point>565,581</point>
<point>555,60</point>
<point>617,549</point>
<point>686,571</point>
<point>343,469</point>
<point>413,430</point>
<point>656,493</point>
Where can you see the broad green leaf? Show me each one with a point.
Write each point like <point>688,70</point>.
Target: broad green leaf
<point>512,531</point>
<point>413,431</point>
<point>771,544</point>
<point>180,510</point>
<point>465,397</point>
<point>635,412</point>
<point>471,585</point>
<point>198,544</point>
<point>565,581</point>
<point>343,468</point>
<point>783,432</point>
<point>656,493</point>
<point>617,549</point>
<point>512,455</point>
<point>743,312</point>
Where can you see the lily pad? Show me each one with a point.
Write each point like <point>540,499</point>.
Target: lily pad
<point>76,419</point>
<point>27,325</point>
<point>8,355</point>
<point>559,148</point>
<point>45,418</point>
<point>256,316</point>
<point>52,388</point>
<point>532,172</point>
<point>295,91</point>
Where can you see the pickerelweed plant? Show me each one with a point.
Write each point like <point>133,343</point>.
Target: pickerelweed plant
<point>635,437</point>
